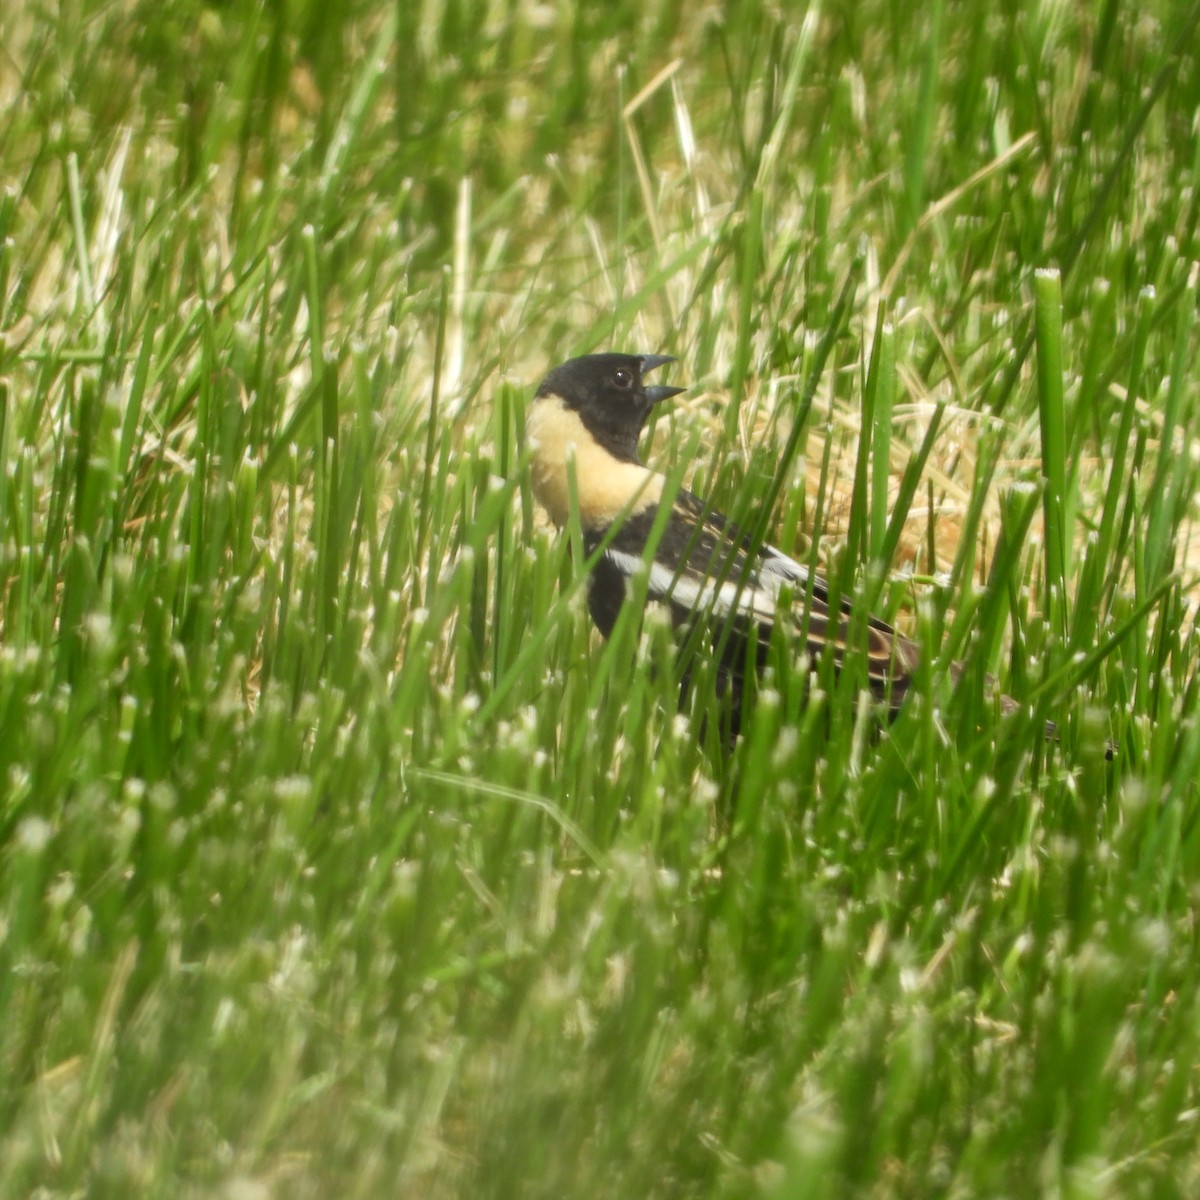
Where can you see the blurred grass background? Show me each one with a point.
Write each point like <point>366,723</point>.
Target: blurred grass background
<point>337,857</point>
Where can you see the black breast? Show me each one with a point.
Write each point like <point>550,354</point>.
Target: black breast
<point>606,593</point>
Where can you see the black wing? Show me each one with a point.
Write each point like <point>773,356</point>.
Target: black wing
<point>706,567</point>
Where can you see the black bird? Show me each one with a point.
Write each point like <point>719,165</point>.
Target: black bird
<point>585,420</point>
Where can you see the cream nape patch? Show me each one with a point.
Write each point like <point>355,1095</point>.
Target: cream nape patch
<point>606,486</point>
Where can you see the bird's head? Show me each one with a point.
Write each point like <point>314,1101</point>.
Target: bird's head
<point>609,395</point>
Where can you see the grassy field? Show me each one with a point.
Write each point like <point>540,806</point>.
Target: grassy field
<point>338,857</point>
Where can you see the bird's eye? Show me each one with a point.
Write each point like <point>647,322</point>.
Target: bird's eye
<point>623,379</point>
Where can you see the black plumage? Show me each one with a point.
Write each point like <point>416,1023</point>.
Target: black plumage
<point>582,429</point>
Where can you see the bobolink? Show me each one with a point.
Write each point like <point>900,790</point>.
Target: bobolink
<point>583,425</point>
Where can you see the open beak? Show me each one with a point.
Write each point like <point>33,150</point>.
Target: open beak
<point>661,392</point>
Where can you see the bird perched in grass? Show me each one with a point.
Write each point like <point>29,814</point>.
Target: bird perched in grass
<point>582,432</point>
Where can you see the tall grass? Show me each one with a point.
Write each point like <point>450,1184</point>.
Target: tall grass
<point>338,855</point>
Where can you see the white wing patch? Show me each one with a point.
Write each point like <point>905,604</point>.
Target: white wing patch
<point>788,569</point>
<point>755,597</point>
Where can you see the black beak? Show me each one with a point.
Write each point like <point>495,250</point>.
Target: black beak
<point>662,392</point>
